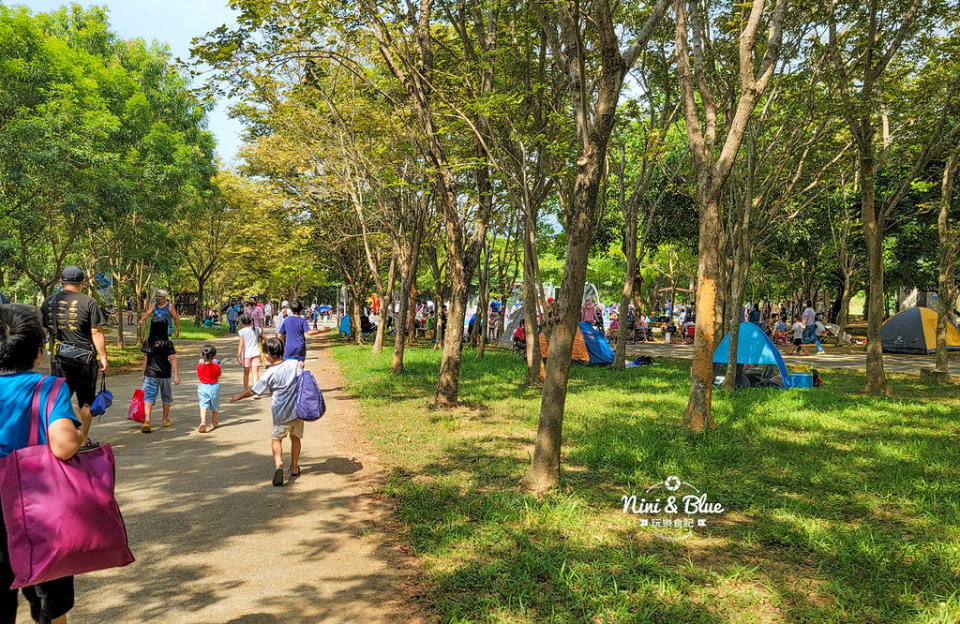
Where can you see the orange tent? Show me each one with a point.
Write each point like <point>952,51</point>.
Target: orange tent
<point>580,353</point>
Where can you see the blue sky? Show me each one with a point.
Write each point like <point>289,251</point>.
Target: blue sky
<point>174,22</point>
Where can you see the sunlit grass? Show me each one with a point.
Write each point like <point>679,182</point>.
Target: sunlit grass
<point>842,507</point>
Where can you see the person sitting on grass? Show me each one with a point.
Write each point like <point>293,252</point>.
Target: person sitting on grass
<point>293,334</point>
<point>158,364</point>
<point>281,380</point>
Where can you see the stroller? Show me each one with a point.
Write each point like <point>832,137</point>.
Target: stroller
<point>688,332</point>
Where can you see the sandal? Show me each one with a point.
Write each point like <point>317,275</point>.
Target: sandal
<point>145,428</point>
<point>278,477</point>
<point>295,474</point>
<point>168,423</point>
<point>202,428</point>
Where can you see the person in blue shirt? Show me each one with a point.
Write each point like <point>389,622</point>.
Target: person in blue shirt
<point>164,310</point>
<point>21,350</point>
<point>293,333</point>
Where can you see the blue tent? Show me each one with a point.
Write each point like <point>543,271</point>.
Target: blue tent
<point>344,326</point>
<point>753,347</point>
<point>597,346</point>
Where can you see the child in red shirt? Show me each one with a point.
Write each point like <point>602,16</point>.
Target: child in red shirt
<point>208,392</point>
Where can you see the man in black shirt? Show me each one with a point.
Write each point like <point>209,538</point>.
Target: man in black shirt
<point>74,321</point>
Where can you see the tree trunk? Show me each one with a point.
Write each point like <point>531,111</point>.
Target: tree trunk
<point>409,260</point>
<point>949,249</point>
<point>483,304</point>
<point>530,299</point>
<point>448,381</point>
<point>355,311</point>
<point>843,315</point>
<point>699,416</point>
<point>734,307</point>
<point>544,471</point>
<point>630,275</point>
<point>386,302</point>
<point>873,238</point>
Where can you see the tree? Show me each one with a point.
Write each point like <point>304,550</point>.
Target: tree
<point>713,169</point>
<point>879,113</point>
<point>575,38</point>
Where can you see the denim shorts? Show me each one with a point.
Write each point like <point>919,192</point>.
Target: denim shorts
<point>154,385</point>
<point>209,396</point>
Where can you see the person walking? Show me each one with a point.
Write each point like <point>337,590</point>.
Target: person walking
<point>164,310</point>
<point>208,391</point>
<point>21,350</point>
<point>268,313</point>
<point>248,351</point>
<point>158,365</point>
<point>256,314</point>
<point>74,323</point>
<point>810,326</point>
<point>293,333</point>
<point>232,318</point>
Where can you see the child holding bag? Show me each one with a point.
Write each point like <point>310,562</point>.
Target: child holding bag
<point>158,365</point>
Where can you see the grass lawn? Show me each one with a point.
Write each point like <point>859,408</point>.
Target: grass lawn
<point>841,507</point>
<point>190,331</point>
<point>129,359</point>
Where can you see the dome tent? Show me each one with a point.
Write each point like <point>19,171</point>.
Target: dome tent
<point>753,347</point>
<point>589,346</point>
<point>915,331</point>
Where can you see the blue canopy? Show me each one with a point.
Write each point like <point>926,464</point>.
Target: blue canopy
<point>597,346</point>
<point>753,347</point>
<point>324,308</point>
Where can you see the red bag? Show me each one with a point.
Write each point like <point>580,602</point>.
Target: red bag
<point>136,407</point>
<point>61,516</point>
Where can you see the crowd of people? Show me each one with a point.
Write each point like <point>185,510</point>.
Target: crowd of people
<point>71,324</point>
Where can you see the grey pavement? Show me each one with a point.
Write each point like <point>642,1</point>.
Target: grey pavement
<point>216,543</point>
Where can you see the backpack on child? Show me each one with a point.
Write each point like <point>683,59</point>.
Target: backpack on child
<point>310,404</point>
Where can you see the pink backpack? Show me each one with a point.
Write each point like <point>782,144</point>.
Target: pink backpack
<point>61,516</point>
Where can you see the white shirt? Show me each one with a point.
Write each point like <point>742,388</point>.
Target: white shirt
<point>251,343</point>
<point>281,380</point>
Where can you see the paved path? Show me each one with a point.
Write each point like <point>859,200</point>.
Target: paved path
<point>216,543</point>
<point>853,361</point>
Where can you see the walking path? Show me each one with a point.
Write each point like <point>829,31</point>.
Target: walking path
<point>907,364</point>
<point>216,543</point>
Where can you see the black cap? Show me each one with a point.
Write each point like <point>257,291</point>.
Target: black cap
<point>73,275</point>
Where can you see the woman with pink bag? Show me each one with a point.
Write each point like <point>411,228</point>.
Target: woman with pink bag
<point>21,349</point>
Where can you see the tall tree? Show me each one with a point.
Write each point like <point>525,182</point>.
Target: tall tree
<point>585,44</point>
<point>712,168</point>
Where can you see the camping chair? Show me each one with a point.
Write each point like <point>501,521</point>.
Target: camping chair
<point>689,331</point>
<point>519,346</point>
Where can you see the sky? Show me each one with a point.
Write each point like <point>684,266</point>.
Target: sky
<point>175,23</point>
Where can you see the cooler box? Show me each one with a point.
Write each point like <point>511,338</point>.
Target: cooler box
<point>801,380</point>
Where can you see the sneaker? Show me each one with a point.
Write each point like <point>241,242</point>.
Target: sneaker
<point>278,477</point>
<point>821,352</point>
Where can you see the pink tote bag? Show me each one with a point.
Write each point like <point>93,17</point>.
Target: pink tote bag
<point>61,516</point>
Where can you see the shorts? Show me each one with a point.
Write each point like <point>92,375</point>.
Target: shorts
<point>209,396</point>
<point>81,378</point>
<point>294,428</point>
<point>154,385</point>
<point>251,362</point>
<point>797,342</point>
<point>48,600</point>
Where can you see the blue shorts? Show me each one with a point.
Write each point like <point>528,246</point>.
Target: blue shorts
<point>157,385</point>
<point>209,396</point>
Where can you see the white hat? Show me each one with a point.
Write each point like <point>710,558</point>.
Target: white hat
<point>285,303</point>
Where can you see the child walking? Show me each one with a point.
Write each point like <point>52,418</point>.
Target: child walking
<point>798,338</point>
<point>208,392</point>
<point>158,364</point>
<point>248,350</point>
<point>281,380</point>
